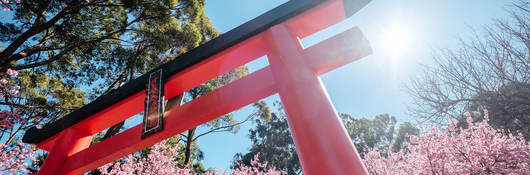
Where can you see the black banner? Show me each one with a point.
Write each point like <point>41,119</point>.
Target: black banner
<point>154,104</point>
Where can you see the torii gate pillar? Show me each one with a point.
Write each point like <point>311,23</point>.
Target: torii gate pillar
<point>71,142</point>
<point>322,143</point>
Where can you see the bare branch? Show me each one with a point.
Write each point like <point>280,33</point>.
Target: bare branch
<point>34,106</point>
<point>220,129</point>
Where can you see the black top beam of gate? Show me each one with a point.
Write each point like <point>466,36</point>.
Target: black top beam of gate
<point>224,41</point>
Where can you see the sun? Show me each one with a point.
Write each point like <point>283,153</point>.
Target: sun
<point>396,40</point>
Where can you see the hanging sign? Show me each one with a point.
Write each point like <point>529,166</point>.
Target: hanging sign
<point>154,104</point>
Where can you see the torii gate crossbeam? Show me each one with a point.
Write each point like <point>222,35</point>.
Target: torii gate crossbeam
<point>321,141</point>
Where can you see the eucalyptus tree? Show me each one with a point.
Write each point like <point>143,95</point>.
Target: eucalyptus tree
<point>272,141</point>
<point>68,53</point>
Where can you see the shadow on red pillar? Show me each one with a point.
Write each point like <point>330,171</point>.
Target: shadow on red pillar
<point>68,143</point>
<point>321,141</point>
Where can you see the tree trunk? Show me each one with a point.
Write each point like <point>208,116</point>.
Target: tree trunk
<point>113,130</point>
<point>189,144</point>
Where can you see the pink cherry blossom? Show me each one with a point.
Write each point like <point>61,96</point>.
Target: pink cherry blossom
<point>256,168</point>
<point>14,91</point>
<point>12,72</point>
<point>478,149</point>
<point>14,159</point>
<point>161,160</point>
<point>6,124</point>
<point>9,119</point>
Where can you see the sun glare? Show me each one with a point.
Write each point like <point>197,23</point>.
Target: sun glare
<point>396,40</point>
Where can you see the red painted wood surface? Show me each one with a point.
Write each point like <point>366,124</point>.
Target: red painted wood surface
<point>72,141</point>
<point>201,110</point>
<point>322,143</point>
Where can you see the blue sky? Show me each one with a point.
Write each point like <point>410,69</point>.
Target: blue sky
<point>375,84</point>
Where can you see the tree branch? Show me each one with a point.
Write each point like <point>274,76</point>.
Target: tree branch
<point>33,106</point>
<point>75,45</point>
<point>5,55</point>
<point>223,127</point>
<point>40,14</point>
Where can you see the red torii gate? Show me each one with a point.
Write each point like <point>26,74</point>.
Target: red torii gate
<point>321,141</point>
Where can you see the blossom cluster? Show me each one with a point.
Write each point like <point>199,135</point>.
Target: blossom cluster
<point>478,149</point>
<point>5,84</point>
<point>7,117</point>
<point>256,168</point>
<point>7,87</point>
<point>15,160</point>
<point>6,8</point>
<point>161,160</point>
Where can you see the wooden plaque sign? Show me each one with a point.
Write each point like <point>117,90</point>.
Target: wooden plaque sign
<point>154,104</point>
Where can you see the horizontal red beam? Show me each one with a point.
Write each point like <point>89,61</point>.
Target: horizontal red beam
<point>338,50</point>
<point>201,110</point>
<point>218,64</point>
<point>317,19</point>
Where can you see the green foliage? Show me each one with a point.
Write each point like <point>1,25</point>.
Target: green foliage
<point>405,129</point>
<point>272,139</point>
<point>68,53</point>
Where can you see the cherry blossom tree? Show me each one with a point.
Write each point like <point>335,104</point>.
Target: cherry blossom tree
<point>12,119</point>
<point>161,160</point>
<point>8,90</point>
<point>14,158</point>
<point>256,168</point>
<point>477,149</point>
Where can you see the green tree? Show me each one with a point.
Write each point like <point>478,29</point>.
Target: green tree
<point>69,53</point>
<point>405,129</point>
<point>366,133</point>
<point>271,137</point>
